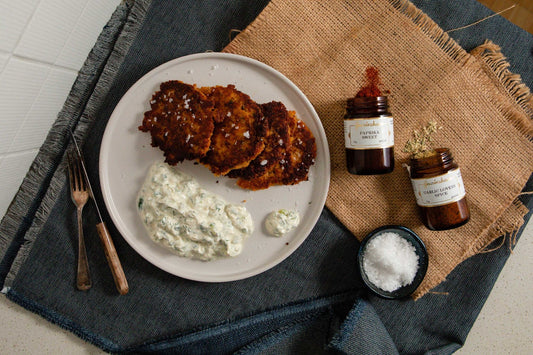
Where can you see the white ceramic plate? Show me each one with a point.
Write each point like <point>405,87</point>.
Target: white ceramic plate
<point>126,155</point>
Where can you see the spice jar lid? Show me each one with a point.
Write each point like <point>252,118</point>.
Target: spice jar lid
<point>420,251</point>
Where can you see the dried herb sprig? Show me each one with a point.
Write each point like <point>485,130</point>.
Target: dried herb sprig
<point>420,145</point>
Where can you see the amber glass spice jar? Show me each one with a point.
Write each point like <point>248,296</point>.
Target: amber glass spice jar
<point>439,190</point>
<point>369,136</point>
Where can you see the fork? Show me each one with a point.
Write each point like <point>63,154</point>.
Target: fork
<point>80,196</point>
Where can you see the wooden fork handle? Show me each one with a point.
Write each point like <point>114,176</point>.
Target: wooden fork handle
<point>112,259</point>
<point>83,277</point>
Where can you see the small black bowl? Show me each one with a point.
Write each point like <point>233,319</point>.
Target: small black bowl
<point>420,250</point>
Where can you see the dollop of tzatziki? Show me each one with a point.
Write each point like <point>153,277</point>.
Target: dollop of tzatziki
<point>189,220</point>
<point>281,222</point>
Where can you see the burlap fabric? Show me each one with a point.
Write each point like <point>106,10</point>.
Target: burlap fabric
<point>324,47</point>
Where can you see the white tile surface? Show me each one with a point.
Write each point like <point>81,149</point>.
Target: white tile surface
<point>49,29</point>
<point>43,43</point>
<point>14,16</point>
<point>44,110</point>
<point>20,84</point>
<point>4,57</point>
<point>85,33</point>
<point>13,168</point>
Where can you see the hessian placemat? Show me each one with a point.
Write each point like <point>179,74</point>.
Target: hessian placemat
<point>324,47</point>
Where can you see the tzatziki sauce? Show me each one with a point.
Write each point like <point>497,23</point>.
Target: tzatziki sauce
<point>189,220</point>
<point>281,222</point>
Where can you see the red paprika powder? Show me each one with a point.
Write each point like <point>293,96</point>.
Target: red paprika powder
<point>373,82</point>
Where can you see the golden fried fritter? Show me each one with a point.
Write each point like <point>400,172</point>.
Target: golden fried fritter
<point>299,155</point>
<point>240,128</point>
<point>276,141</point>
<point>180,121</point>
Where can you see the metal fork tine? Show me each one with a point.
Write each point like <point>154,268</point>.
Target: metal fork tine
<point>72,167</point>
<point>69,164</point>
<point>81,178</point>
<point>74,173</point>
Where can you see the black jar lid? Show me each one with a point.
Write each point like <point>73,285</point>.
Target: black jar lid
<point>420,250</point>
<point>367,100</point>
<point>364,103</point>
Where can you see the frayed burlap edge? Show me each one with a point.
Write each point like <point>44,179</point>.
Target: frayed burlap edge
<point>505,227</point>
<point>496,67</point>
<point>432,30</point>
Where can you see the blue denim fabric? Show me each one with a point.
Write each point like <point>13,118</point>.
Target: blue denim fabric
<point>313,302</point>
<point>363,330</point>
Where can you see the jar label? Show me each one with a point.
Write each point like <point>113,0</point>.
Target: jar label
<point>439,190</point>
<point>369,133</point>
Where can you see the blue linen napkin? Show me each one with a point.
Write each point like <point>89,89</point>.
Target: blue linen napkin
<point>313,302</point>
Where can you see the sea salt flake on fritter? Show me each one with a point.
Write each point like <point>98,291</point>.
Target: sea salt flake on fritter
<point>240,129</point>
<point>180,121</point>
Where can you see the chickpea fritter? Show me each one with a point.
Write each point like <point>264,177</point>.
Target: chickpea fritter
<point>299,155</point>
<point>180,121</point>
<point>240,129</point>
<point>277,139</point>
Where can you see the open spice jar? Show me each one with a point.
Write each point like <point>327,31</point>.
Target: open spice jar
<point>368,129</point>
<point>369,136</point>
<point>439,190</point>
